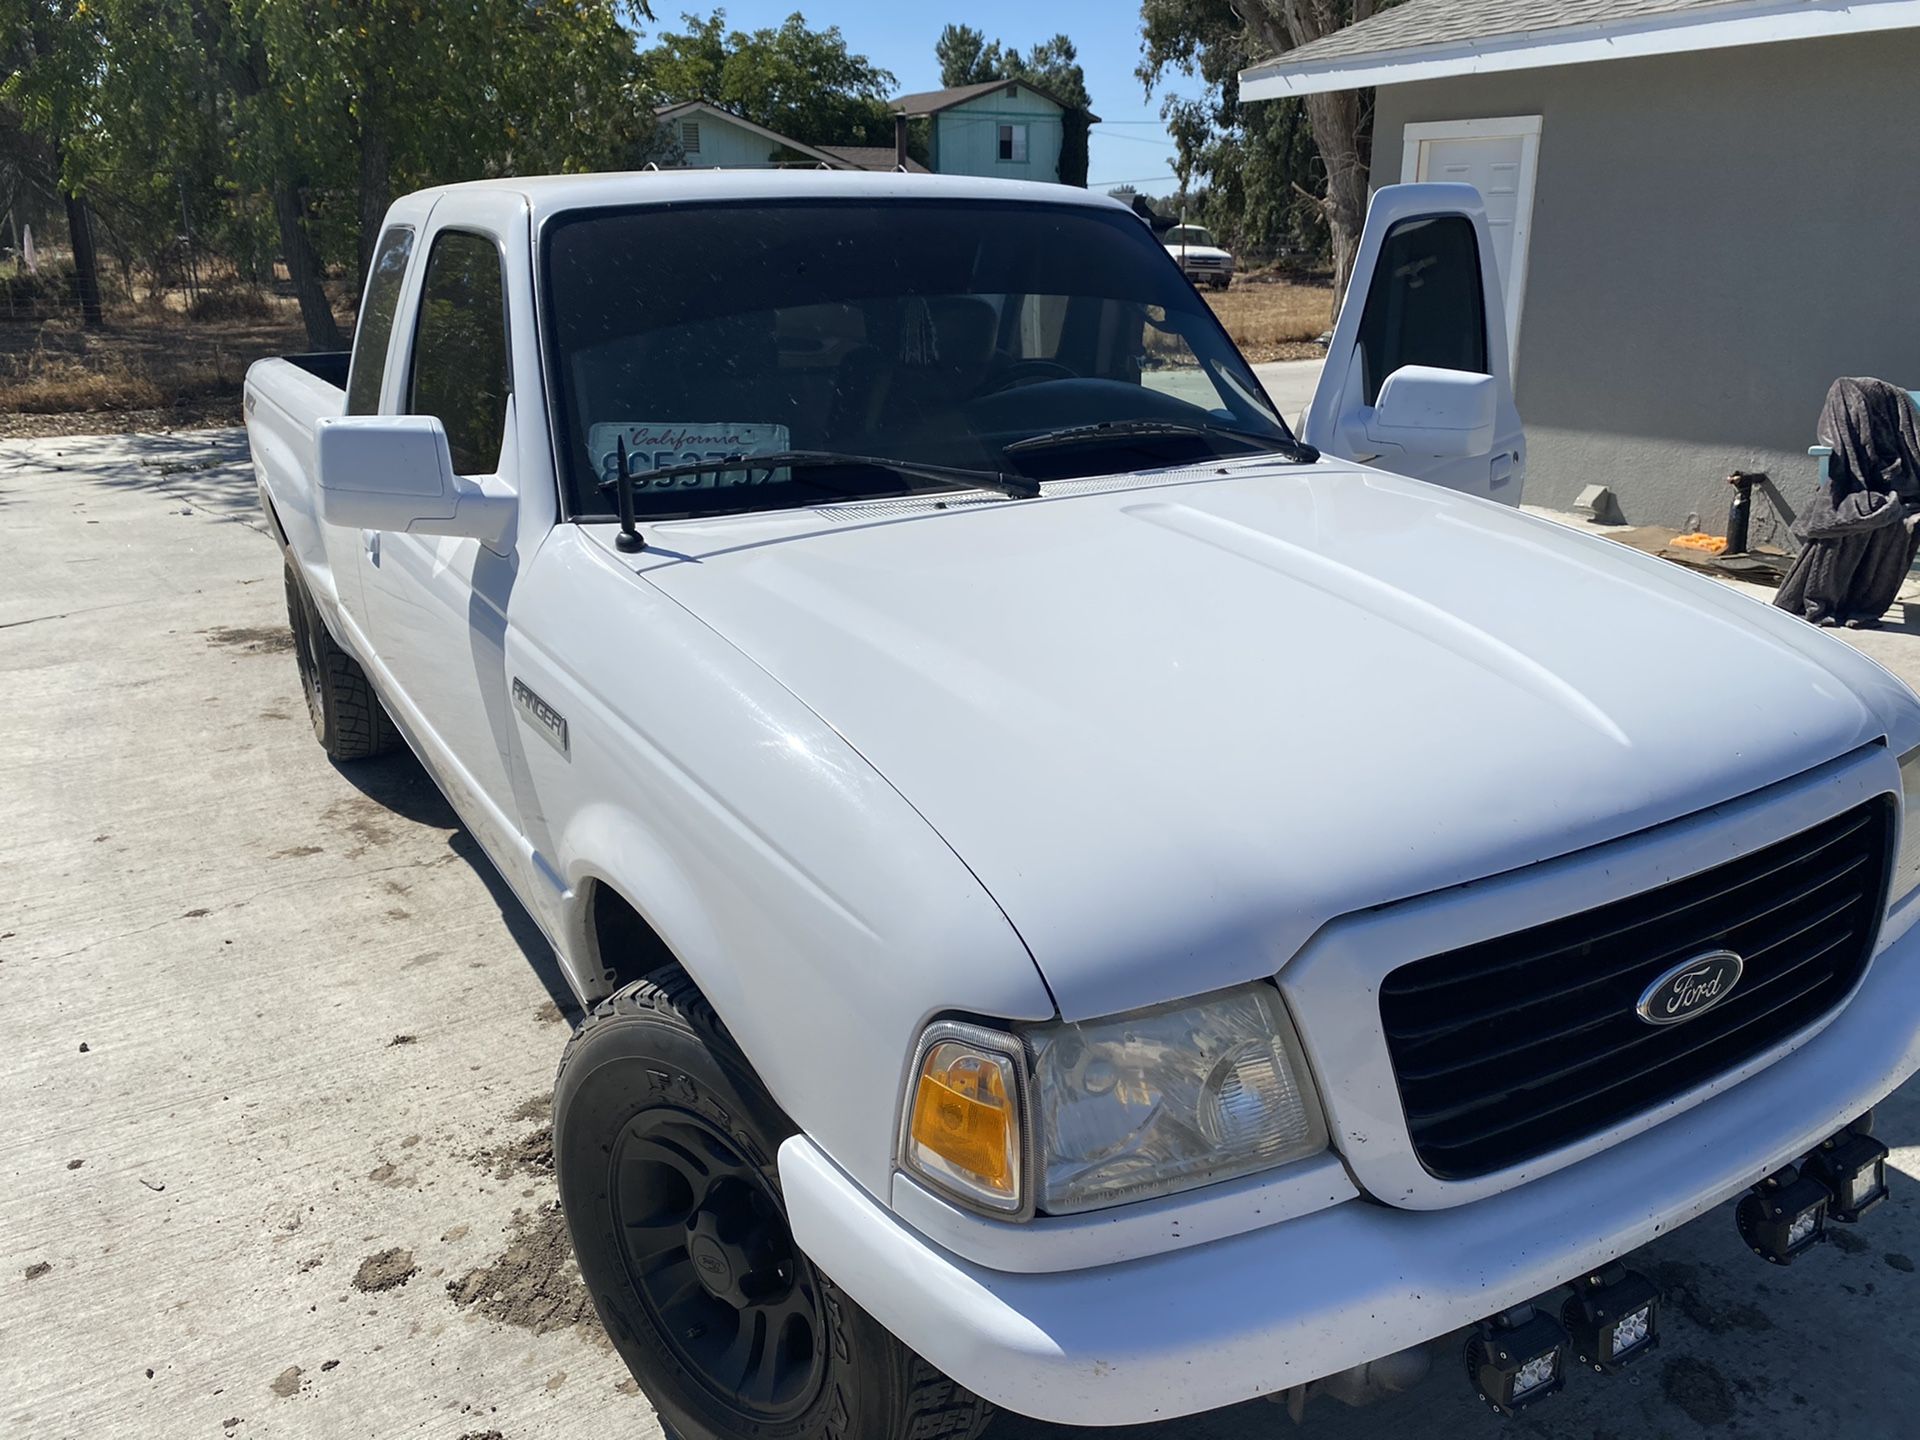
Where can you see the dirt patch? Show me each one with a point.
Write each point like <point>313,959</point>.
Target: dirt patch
<point>1899,1262</point>
<point>548,1013</point>
<point>1698,1389</point>
<point>535,1107</point>
<point>1849,1244</point>
<point>535,1283</point>
<point>253,639</point>
<point>296,852</point>
<point>529,1155</point>
<point>287,1383</point>
<point>385,1270</point>
<point>38,1268</point>
<point>1275,317</point>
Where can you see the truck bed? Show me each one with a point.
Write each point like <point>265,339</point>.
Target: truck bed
<point>286,398</point>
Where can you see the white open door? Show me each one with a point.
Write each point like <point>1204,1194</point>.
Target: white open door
<point>1418,378</point>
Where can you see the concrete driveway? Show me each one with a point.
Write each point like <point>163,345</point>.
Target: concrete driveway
<point>276,1047</point>
<point>1290,385</point>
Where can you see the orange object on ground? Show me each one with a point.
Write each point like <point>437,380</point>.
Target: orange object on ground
<point>1699,540</point>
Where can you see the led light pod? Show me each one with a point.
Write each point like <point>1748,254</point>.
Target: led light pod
<point>1517,1358</point>
<point>1612,1318</point>
<point>1784,1216</point>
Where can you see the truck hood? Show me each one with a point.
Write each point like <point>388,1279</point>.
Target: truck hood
<point>1176,723</point>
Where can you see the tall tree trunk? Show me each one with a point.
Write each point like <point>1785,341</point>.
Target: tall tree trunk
<point>86,264</point>
<point>303,268</point>
<point>1339,122</point>
<point>86,261</point>
<point>376,165</point>
<point>1342,122</point>
<point>376,191</point>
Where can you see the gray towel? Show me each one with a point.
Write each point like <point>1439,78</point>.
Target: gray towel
<point>1859,532</point>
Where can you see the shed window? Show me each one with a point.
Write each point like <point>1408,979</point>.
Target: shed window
<point>1013,143</point>
<point>690,136</point>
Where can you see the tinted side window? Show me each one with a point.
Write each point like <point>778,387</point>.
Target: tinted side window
<point>1425,305</point>
<point>375,325</point>
<point>460,350</point>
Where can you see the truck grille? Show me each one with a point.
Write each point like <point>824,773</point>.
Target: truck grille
<point>1511,1048</point>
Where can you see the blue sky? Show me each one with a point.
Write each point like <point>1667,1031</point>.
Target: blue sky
<point>1130,144</point>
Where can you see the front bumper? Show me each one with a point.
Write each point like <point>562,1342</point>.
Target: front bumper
<point>1215,1324</point>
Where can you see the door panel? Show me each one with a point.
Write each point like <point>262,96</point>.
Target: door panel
<point>437,605</point>
<point>1425,293</point>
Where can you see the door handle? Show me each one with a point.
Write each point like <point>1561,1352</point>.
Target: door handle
<point>1502,470</point>
<point>372,540</point>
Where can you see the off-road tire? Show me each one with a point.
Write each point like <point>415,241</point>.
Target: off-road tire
<point>657,1043</point>
<point>348,719</point>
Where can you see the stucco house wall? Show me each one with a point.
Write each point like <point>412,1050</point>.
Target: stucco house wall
<point>966,138</point>
<point>1715,237</point>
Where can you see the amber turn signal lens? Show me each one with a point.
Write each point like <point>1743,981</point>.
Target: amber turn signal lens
<point>965,1127</point>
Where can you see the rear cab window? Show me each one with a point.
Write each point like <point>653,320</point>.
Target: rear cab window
<point>374,330</point>
<point>459,367</point>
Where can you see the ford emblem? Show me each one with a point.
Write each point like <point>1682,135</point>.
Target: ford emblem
<point>1690,988</point>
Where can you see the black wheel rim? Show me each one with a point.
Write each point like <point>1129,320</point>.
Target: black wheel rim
<point>706,1246</point>
<point>305,649</point>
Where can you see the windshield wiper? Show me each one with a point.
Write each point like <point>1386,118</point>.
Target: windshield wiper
<point>1159,429</point>
<point>1017,487</point>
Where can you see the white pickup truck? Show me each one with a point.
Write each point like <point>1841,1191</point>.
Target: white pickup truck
<point>1088,903</point>
<point>1200,260</point>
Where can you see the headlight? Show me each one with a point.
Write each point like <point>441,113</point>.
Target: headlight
<point>1168,1098</point>
<point>1112,1110</point>
<point>1906,868</point>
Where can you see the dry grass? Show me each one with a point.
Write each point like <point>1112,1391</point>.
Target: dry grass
<point>46,382</point>
<point>230,302</point>
<point>153,364</point>
<point>1271,318</point>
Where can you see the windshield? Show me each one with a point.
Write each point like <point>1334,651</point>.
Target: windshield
<point>934,332</point>
<point>1189,235</point>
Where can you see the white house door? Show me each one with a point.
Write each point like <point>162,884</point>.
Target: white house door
<point>1498,158</point>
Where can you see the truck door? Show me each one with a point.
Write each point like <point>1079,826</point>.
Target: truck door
<point>1425,294</point>
<point>437,605</point>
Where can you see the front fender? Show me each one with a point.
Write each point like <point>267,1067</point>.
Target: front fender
<point>820,914</point>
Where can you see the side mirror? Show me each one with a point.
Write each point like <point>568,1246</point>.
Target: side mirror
<point>1424,410</point>
<point>395,472</point>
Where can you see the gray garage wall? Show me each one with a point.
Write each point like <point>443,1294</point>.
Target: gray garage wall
<point>1715,238</point>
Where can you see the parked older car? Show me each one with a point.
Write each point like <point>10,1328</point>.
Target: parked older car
<point>1086,902</point>
<point>1201,261</point>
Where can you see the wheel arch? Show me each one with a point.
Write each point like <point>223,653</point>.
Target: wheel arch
<point>633,909</point>
<point>621,943</point>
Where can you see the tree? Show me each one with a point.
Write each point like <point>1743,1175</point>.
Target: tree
<point>796,80</point>
<point>967,58</point>
<point>51,71</point>
<point>1215,39</point>
<point>287,126</point>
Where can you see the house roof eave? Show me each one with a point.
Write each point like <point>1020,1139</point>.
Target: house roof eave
<point>1757,22</point>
